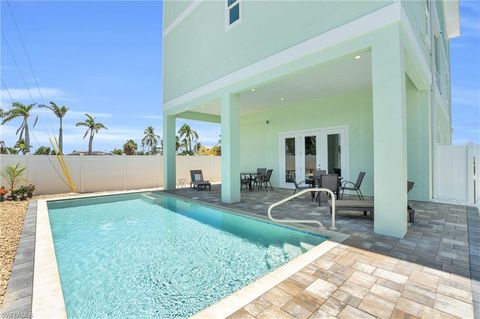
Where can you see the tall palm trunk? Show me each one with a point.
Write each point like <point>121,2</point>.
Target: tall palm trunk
<point>60,137</point>
<point>90,144</point>
<point>27,137</point>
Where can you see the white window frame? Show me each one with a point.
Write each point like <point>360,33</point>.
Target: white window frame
<point>228,26</point>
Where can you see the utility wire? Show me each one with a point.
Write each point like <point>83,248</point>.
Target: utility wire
<point>8,91</point>
<point>18,67</point>
<point>25,50</point>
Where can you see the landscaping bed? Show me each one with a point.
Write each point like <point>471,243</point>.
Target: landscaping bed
<point>11,224</point>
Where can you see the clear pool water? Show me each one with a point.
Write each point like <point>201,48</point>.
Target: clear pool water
<point>149,255</point>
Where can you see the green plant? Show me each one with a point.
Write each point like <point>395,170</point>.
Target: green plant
<point>23,111</point>
<point>22,192</point>
<point>150,139</point>
<point>31,189</point>
<point>13,174</point>
<point>42,150</point>
<point>92,129</point>
<point>117,151</point>
<point>189,137</point>
<point>130,147</point>
<point>59,112</point>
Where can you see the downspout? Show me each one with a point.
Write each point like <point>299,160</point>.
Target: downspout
<point>432,98</point>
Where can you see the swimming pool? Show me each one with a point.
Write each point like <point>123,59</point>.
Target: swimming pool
<point>154,255</point>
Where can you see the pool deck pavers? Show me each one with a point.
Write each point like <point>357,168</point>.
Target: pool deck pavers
<point>430,273</point>
<point>433,272</point>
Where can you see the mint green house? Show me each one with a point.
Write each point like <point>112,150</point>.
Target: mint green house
<point>304,85</point>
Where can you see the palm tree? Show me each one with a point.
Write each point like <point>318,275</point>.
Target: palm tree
<point>150,139</point>
<point>59,112</point>
<point>130,147</point>
<point>189,136</point>
<point>92,129</point>
<point>20,110</point>
<point>42,150</point>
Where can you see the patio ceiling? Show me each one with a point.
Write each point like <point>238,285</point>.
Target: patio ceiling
<point>327,79</point>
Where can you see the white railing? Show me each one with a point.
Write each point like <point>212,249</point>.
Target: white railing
<point>304,221</point>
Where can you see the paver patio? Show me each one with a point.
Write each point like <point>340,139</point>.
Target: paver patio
<point>430,273</point>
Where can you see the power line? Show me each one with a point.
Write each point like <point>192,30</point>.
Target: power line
<point>8,91</point>
<point>25,50</point>
<point>18,67</point>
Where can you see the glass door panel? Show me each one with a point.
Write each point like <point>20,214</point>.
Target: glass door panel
<point>290,160</point>
<point>334,154</point>
<point>310,155</point>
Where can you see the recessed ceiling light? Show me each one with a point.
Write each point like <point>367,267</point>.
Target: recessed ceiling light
<point>253,90</point>
<point>357,57</point>
<point>282,99</point>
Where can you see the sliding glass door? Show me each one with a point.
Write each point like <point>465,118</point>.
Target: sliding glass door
<point>303,153</point>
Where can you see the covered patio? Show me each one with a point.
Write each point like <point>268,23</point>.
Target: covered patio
<point>360,111</point>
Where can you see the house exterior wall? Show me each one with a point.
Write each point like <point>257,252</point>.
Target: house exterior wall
<point>199,49</point>
<point>259,142</point>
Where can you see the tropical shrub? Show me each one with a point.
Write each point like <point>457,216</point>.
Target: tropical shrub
<point>42,150</point>
<point>13,174</point>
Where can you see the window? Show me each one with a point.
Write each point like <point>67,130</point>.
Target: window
<point>232,12</point>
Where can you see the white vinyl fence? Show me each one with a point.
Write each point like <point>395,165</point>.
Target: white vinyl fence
<point>105,173</point>
<point>457,174</point>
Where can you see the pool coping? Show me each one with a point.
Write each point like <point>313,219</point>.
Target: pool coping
<point>47,295</point>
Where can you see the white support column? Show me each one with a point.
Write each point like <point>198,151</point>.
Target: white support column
<point>390,134</point>
<point>230,123</point>
<point>169,152</point>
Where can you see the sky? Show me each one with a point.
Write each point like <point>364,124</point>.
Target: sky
<point>465,75</point>
<point>104,58</point>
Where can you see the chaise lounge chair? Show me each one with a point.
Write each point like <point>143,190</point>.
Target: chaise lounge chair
<point>368,205</point>
<point>197,180</point>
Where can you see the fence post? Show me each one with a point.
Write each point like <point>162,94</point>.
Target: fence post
<point>470,173</point>
<point>80,165</point>
<point>124,156</point>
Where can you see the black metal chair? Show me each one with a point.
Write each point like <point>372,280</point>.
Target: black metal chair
<point>300,186</point>
<point>329,182</point>
<point>354,186</point>
<point>266,180</point>
<point>244,180</point>
<point>259,178</point>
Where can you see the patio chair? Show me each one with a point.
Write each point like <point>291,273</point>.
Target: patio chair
<point>266,180</point>
<point>244,180</point>
<point>258,181</point>
<point>300,186</point>
<point>330,182</point>
<point>197,181</point>
<point>350,186</point>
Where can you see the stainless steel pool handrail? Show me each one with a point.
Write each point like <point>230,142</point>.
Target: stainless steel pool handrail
<point>304,221</point>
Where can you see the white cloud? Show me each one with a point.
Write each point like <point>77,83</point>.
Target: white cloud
<point>23,94</point>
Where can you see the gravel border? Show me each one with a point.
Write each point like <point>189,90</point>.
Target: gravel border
<point>18,298</point>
